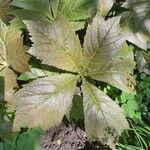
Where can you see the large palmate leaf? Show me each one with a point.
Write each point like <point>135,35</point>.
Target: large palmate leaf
<point>43,102</point>
<point>56,44</point>
<point>104,6</point>
<point>104,119</point>
<point>104,60</point>
<point>44,10</point>
<point>4,10</point>
<point>76,9</point>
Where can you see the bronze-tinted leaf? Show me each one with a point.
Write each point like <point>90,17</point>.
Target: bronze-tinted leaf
<point>56,44</point>
<point>104,119</point>
<point>43,102</point>
<point>12,50</point>
<point>16,55</point>
<point>104,60</point>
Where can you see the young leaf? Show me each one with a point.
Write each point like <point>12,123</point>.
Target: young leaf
<point>104,6</point>
<point>45,10</point>
<point>4,10</point>
<point>104,119</point>
<point>43,102</point>
<point>76,9</point>
<point>56,44</point>
<point>102,50</point>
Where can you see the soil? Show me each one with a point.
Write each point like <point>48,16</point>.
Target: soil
<point>68,137</point>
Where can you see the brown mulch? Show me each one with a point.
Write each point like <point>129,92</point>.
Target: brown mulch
<point>68,137</point>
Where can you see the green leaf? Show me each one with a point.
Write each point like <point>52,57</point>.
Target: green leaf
<point>130,108</point>
<point>5,129</point>
<point>17,24</point>
<point>56,44</point>
<point>104,59</point>
<point>4,10</point>
<point>45,10</point>
<point>29,140</point>
<point>76,9</point>
<point>43,102</point>
<point>38,70</point>
<point>104,6</point>
<point>76,112</point>
<point>104,119</point>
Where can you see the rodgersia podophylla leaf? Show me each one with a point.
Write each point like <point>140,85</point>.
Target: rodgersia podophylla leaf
<point>104,119</point>
<point>105,57</point>
<point>102,49</point>
<point>56,44</point>
<point>43,102</point>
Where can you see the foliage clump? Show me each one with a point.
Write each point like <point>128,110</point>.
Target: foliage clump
<point>41,44</point>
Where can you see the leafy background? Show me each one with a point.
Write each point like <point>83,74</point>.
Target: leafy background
<point>134,14</point>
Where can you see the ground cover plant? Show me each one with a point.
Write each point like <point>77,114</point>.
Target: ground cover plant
<point>85,60</point>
